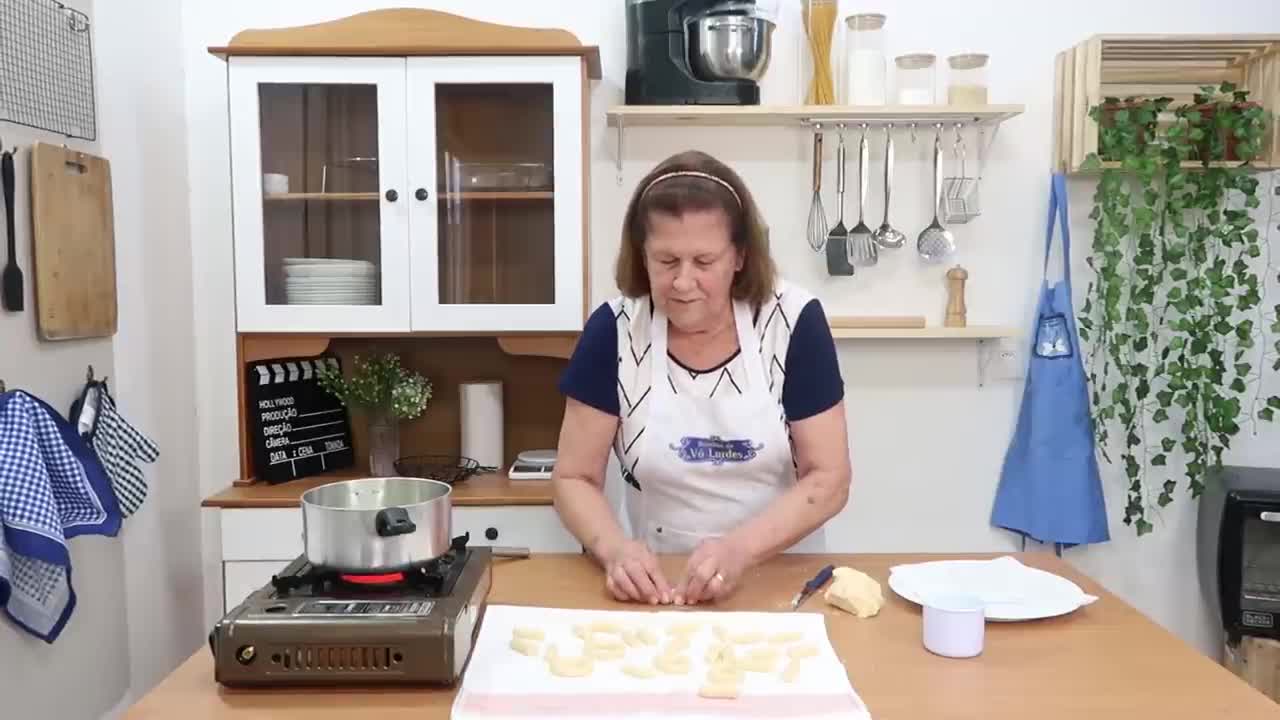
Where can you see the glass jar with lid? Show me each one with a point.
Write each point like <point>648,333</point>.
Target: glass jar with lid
<point>967,80</point>
<point>915,78</point>
<point>865,66</point>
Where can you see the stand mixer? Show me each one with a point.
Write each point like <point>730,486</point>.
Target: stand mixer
<point>688,52</point>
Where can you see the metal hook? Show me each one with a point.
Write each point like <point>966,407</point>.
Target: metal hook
<point>913,133</point>
<point>2,387</point>
<point>88,374</point>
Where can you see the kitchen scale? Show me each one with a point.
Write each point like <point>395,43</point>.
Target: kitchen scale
<point>533,465</point>
<point>315,626</point>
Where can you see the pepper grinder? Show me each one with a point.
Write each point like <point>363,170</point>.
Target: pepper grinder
<point>955,297</point>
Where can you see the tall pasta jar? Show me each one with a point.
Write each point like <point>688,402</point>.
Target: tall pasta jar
<point>915,78</point>
<point>967,79</point>
<point>865,65</point>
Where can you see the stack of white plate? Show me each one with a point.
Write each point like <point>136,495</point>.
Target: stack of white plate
<point>329,281</point>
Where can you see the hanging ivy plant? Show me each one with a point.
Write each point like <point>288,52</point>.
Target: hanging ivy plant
<point>1173,317</point>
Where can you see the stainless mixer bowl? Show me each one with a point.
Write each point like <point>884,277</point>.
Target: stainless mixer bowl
<point>729,47</point>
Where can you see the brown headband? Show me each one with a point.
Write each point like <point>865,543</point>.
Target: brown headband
<point>692,173</point>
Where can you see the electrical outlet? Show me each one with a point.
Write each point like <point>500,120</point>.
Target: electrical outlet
<point>1004,359</point>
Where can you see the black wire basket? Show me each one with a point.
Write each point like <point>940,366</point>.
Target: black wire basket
<point>445,468</point>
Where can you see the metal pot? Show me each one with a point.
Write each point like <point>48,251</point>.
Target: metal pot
<point>377,524</point>
<point>729,47</point>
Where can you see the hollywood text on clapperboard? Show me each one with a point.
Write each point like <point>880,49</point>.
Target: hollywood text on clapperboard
<point>299,428</point>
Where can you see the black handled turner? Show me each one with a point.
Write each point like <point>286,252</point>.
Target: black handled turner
<point>11,279</point>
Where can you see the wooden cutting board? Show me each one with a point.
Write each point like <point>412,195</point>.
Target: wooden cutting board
<point>74,254</point>
<point>876,321</point>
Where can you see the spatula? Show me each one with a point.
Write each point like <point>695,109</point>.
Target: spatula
<point>838,238</point>
<point>11,279</point>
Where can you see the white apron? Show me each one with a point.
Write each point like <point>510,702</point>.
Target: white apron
<point>708,465</point>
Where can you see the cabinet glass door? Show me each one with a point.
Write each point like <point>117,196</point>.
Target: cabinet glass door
<point>496,231</point>
<point>319,155</point>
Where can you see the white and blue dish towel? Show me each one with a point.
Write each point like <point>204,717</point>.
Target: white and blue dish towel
<point>53,487</point>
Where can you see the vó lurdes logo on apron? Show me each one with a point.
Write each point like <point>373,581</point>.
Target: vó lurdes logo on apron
<point>716,450</point>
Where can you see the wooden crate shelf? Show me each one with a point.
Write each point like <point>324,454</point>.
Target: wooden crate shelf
<point>1159,65</point>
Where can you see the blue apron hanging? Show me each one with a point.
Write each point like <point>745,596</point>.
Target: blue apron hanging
<point>1050,489</point>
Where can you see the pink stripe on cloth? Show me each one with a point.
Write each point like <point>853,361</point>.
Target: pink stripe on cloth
<point>571,704</point>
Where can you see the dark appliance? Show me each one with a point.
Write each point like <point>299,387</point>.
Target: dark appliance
<point>315,626</point>
<point>1239,550</point>
<point>688,52</point>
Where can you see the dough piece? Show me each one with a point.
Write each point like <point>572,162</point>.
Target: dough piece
<point>632,638</point>
<point>648,636</point>
<point>760,660</point>
<point>721,691</point>
<point>639,671</point>
<point>802,651</point>
<point>721,633</point>
<point>528,633</point>
<point>605,626</point>
<point>854,592</point>
<point>791,671</point>
<point>605,652</point>
<point>721,673</point>
<point>678,644</point>
<point>605,641</point>
<point>582,631</point>
<point>747,638</point>
<point>524,646</point>
<point>672,664</point>
<point>551,651</point>
<point>716,651</point>
<point>783,638</point>
<point>571,666</point>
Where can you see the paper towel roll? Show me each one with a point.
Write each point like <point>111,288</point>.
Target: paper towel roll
<point>481,404</point>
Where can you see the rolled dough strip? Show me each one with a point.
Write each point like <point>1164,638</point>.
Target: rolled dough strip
<point>747,638</point>
<point>639,671</point>
<point>571,666</point>
<point>648,636</point>
<point>803,651</point>
<point>672,664</point>
<point>791,671</point>
<point>783,638</point>
<point>528,633</point>
<point>524,646</point>
<point>721,673</point>
<point>720,691</point>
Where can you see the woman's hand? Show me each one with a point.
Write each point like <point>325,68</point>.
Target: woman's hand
<point>714,570</point>
<point>632,574</point>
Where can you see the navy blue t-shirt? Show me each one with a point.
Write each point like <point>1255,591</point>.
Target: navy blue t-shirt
<point>811,385</point>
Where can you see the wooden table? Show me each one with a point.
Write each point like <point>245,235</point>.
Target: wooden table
<point>1104,661</point>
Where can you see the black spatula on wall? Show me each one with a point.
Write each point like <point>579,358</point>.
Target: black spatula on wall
<point>11,279</point>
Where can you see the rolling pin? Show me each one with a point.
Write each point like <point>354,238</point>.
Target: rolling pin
<point>876,321</point>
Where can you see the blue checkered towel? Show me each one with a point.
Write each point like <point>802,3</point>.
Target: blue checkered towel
<point>52,488</point>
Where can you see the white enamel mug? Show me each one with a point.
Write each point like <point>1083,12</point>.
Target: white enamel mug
<point>954,625</point>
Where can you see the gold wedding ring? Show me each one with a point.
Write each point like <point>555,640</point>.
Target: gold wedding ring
<point>718,576</point>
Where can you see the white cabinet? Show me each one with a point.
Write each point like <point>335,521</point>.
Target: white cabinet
<point>408,194</point>
<point>259,542</point>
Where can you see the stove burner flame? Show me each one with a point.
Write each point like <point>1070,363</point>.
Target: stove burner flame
<point>386,579</point>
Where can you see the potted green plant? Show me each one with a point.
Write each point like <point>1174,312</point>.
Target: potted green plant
<point>1173,324</point>
<point>386,393</point>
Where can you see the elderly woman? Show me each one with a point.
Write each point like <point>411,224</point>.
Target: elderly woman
<point>716,385</point>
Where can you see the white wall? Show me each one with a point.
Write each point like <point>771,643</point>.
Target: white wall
<point>923,483</point>
<point>138,595</point>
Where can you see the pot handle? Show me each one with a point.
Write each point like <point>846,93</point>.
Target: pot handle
<point>393,521</point>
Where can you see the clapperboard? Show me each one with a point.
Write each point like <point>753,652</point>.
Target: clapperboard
<point>297,427</point>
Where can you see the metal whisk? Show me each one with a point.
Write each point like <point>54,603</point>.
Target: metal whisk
<point>817,218</point>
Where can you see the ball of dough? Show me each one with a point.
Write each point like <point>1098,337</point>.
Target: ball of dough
<point>854,592</point>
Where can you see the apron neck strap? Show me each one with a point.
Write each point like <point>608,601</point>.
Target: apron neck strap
<point>1058,212</point>
<point>748,344</point>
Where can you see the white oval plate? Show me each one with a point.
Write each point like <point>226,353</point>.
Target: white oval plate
<point>1013,591</point>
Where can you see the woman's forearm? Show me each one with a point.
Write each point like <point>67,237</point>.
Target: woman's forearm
<point>816,498</point>
<point>586,514</point>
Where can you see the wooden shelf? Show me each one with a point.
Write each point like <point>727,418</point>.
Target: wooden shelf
<point>972,332</point>
<point>783,115</point>
<point>481,489</point>
<point>1173,66</point>
<point>466,195</point>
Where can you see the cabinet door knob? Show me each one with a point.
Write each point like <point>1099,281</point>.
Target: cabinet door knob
<point>491,533</point>
<point>392,195</point>
<point>421,194</point>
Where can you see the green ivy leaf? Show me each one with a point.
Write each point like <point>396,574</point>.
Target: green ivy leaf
<point>1143,527</point>
<point>1159,460</point>
<point>1267,414</point>
<point>1159,416</point>
<point>1273,402</point>
<point>1167,444</point>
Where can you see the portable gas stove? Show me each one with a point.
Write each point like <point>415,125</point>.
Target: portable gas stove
<point>314,626</point>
